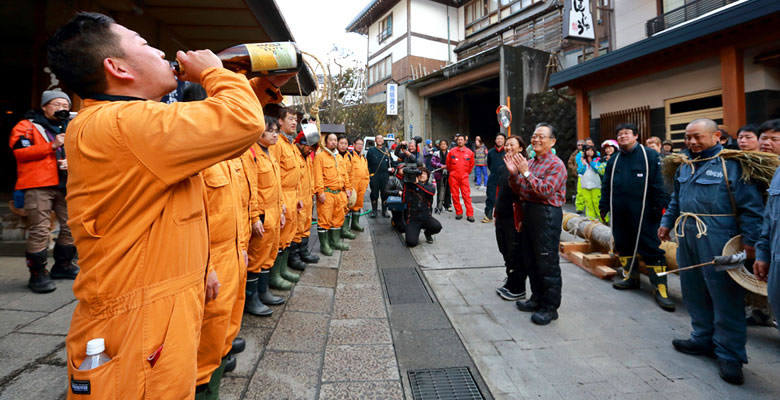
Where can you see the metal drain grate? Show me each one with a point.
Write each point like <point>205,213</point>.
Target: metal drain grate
<point>404,286</point>
<point>443,383</point>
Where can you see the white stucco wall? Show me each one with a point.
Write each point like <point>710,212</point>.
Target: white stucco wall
<point>430,19</point>
<point>399,28</point>
<point>630,19</point>
<point>430,49</point>
<point>699,77</point>
<point>653,89</point>
<point>398,51</point>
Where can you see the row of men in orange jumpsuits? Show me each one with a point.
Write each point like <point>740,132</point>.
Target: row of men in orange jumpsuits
<point>182,213</point>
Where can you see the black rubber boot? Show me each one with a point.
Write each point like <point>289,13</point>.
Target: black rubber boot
<point>230,366</point>
<point>660,288</point>
<point>40,281</point>
<point>63,267</point>
<point>238,345</point>
<point>356,222</point>
<point>305,254</point>
<point>335,240</point>
<point>345,233</point>
<point>264,294</point>
<point>277,281</point>
<point>373,209</point>
<point>283,271</point>
<point>324,242</point>
<point>384,211</point>
<point>294,259</point>
<point>252,304</point>
<point>627,282</point>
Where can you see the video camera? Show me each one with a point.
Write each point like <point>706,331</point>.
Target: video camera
<point>411,173</point>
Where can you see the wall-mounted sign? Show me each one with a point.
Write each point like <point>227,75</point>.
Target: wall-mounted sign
<point>392,99</point>
<point>577,20</point>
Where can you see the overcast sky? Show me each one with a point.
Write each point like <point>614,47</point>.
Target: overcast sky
<point>317,25</point>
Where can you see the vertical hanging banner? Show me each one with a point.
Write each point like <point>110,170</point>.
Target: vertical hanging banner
<point>392,99</point>
<point>577,20</point>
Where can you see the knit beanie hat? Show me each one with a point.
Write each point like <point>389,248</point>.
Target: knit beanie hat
<point>50,95</point>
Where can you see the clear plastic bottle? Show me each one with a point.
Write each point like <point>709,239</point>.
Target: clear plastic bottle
<point>96,355</point>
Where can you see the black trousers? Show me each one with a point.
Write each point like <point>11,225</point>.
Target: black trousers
<point>413,227</point>
<point>443,196</point>
<point>510,245</point>
<point>377,183</point>
<point>490,201</point>
<point>541,238</point>
<point>397,220</point>
<point>624,226</point>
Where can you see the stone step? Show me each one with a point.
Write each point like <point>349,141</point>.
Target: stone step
<point>12,248</point>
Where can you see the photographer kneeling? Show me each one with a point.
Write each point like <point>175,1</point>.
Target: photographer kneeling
<point>418,198</point>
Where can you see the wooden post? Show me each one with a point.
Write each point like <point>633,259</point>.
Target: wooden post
<point>583,114</point>
<point>732,76</point>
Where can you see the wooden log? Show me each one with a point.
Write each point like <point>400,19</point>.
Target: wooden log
<point>597,233</point>
<point>600,236</point>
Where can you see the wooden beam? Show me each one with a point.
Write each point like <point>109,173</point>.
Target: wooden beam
<point>484,72</point>
<point>732,77</point>
<point>582,260</point>
<point>568,247</point>
<point>583,114</point>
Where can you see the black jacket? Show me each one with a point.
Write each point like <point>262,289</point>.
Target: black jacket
<point>495,159</point>
<point>412,158</point>
<point>394,185</point>
<point>418,198</point>
<point>505,196</point>
<point>629,183</point>
<point>378,160</point>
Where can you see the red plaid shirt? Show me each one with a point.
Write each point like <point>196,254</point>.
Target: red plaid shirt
<point>546,184</point>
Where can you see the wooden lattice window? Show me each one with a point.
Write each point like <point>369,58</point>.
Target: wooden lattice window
<point>639,116</point>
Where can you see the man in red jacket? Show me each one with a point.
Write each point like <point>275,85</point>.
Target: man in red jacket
<point>37,142</point>
<point>460,162</point>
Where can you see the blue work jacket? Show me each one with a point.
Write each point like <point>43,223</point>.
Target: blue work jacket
<point>702,189</point>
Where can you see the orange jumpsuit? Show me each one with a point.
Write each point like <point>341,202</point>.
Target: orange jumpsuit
<point>307,191</point>
<point>291,169</point>
<point>345,166</point>
<point>246,167</point>
<point>263,250</point>
<point>329,179</point>
<point>359,178</point>
<point>223,191</point>
<point>136,204</point>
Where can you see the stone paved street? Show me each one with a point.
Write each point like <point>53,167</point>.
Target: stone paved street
<point>606,344</point>
<point>339,336</point>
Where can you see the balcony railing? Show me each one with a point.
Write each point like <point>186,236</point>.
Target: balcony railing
<point>689,11</point>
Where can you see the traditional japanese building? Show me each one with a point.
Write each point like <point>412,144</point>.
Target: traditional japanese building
<point>678,60</point>
<point>456,61</point>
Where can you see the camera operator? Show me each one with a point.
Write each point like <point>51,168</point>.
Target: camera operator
<point>407,153</point>
<point>393,192</point>
<point>418,198</point>
<point>42,171</point>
